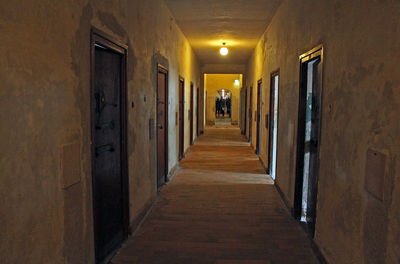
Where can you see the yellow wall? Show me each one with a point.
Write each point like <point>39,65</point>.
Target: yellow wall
<point>215,82</point>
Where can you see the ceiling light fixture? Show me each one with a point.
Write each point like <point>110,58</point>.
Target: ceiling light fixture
<point>224,50</point>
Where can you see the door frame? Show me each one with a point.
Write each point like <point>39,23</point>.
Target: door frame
<point>162,69</point>
<point>181,145</point>
<point>270,121</point>
<point>298,193</point>
<point>98,37</point>
<point>245,109</point>
<point>191,113</point>
<point>250,114</point>
<point>197,110</point>
<point>258,121</point>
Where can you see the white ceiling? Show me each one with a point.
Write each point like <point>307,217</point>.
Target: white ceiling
<point>208,23</point>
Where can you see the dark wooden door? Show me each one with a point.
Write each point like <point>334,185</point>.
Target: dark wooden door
<point>308,139</point>
<point>162,126</point>
<point>191,113</point>
<point>197,112</point>
<point>181,117</point>
<point>250,113</point>
<point>108,147</point>
<point>258,116</point>
<point>245,107</point>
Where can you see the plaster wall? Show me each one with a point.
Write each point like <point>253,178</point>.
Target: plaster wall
<point>360,106</point>
<point>45,106</point>
<point>215,82</point>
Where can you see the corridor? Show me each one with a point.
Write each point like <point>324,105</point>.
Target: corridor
<point>219,208</point>
<point>218,131</point>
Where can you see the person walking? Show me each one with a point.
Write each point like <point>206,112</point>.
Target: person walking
<point>223,107</point>
<point>228,106</point>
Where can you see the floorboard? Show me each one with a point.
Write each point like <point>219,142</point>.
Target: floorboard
<point>220,208</point>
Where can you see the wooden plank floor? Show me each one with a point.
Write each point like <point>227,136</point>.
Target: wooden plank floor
<point>220,208</point>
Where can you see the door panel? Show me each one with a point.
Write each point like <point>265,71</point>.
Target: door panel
<point>258,116</point>
<point>162,128</point>
<point>181,118</point>
<point>250,114</point>
<point>197,112</point>
<point>191,113</point>
<point>107,174</point>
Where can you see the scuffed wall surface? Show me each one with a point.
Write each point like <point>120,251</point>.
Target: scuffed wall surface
<point>361,105</point>
<point>45,105</point>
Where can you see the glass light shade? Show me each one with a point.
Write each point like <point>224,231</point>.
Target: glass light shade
<point>224,51</point>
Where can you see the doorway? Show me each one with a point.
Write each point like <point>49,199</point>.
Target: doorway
<point>308,138</point>
<point>258,116</point>
<point>245,107</point>
<point>162,125</point>
<point>197,112</point>
<point>191,113</point>
<point>273,124</point>
<point>181,117</point>
<point>250,113</point>
<point>109,149</point>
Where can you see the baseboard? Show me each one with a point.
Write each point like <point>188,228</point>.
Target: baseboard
<point>284,198</point>
<point>173,172</point>
<point>263,164</point>
<point>318,252</point>
<point>188,150</point>
<point>141,216</point>
<point>314,245</point>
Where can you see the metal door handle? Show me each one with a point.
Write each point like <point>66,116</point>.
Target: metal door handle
<point>160,126</point>
<point>104,148</point>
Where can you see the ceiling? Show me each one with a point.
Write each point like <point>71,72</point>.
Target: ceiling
<point>208,23</point>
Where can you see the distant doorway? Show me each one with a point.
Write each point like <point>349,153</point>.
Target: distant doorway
<point>181,117</point>
<point>308,138</point>
<point>258,116</point>
<point>162,125</point>
<point>245,115</point>
<point>250,113</point>
<point>273,124</point>
<point>191,114</point>
<point>197,112</point>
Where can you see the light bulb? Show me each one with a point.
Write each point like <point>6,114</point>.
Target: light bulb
<point>224,51</point>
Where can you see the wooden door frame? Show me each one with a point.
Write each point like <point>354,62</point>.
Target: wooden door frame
<point>197,110</point>
<point>258,121</point>
<point>164,70</point>
<point>270,139</point>
<point>181,152</point>
<point>98,37</point>
<point>245,111</point>
<point>298,193</point>
<point>191,103</point>
<point>250,114</point>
